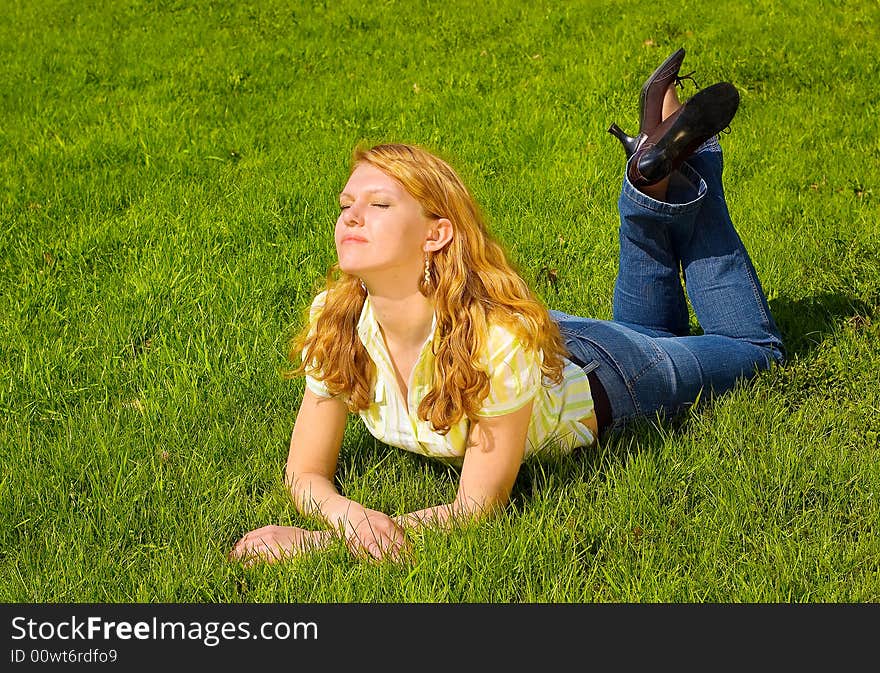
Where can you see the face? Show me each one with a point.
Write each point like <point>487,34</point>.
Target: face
<point>382,230</point>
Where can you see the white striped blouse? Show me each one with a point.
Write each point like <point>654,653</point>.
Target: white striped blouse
<point>514,379</point>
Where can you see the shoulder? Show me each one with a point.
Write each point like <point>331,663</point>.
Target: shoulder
<point>319,300</point>
<point>317,305</point>
<point>514,371</point>
<point>505,341</point>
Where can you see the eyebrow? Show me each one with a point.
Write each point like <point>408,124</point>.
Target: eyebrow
<point>370,192</point>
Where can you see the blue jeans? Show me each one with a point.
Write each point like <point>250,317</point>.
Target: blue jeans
<point>645,358</point>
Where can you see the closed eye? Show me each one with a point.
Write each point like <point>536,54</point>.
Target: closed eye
<point>381,205</point>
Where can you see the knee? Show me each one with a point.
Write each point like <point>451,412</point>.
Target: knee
<point>776,354</point>
<point>779,357</point>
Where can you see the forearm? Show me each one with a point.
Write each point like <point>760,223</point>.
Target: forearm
<point>495,451</point>
<point>316,540</point>
<point>445,516</point>
<point>314,494</point>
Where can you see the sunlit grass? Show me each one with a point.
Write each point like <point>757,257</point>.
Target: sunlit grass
<point>168,173</point>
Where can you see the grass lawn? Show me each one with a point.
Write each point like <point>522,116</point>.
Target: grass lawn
<point>168,182</point>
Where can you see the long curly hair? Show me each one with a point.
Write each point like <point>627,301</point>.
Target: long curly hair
<point>472,285</point>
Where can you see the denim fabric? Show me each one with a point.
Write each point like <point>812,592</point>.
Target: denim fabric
<point>644,357</point>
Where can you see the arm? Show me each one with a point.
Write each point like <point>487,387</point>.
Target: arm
<point>311,463</point>
<point>311,466</point>
<point>494,454</point>
<point>496,446</point>
<point>495,451</point>
<point>314,451</point>
<point>497,439</point>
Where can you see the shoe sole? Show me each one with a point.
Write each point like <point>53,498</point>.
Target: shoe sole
<point>704,115</point>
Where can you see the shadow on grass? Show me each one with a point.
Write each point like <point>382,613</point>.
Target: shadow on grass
<point>805,323</point>
<point>592,464</point>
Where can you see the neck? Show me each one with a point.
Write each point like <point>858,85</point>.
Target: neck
<point>405,317</point>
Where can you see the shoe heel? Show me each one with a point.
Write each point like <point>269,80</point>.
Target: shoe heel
<point>630,144</point>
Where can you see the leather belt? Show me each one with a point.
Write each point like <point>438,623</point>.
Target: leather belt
<point>601,405</point>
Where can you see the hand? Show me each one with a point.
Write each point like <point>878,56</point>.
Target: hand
<point>275,543</point>
<point>374,535</point>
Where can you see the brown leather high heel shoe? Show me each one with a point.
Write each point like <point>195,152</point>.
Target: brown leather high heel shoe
<point>651,102</point>
<point>704,115</point>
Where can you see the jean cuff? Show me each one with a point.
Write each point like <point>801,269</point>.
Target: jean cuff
<point>685,192</point>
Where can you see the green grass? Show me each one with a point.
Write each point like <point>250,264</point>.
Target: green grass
<point>168,174</point>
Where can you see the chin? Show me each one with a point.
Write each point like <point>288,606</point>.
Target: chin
<point>351,269</point>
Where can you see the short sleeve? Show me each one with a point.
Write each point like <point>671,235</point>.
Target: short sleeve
<point>514,373</point>
<point>313,369</point>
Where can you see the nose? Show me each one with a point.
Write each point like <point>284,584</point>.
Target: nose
<point>351,216</point>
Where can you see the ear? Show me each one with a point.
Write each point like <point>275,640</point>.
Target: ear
<point>439,235</point>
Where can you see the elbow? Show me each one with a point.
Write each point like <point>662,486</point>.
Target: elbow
<point>477,508</point>
<point>289,475</point>
<point>307,490</point>
<point>299,487</point>
<point>297,479</point>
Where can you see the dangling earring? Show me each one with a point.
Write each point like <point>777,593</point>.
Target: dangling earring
<point>427,270</point>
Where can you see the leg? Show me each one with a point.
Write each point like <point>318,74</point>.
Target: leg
<point>670,105</point>
<point>641,358</point>
<point>719,276</point>
<point>644,376</point>
<point>648,292</point>
<point>676,221</point>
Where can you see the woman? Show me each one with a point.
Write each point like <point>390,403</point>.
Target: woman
<point>429,335</point>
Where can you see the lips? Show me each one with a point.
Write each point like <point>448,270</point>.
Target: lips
<point>353,239</point>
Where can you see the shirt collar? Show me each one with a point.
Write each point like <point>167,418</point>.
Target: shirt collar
<point>367,327</point>
<point>370,334</point>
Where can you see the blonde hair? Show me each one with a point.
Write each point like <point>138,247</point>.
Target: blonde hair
<point>472,285</point>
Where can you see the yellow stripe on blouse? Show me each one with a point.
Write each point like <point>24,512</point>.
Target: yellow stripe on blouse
<point>515,379</point>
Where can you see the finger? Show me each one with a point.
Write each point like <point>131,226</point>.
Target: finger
<point>361,548</point>
<point>239,549</point>
<point>268,549</point>
<point>388,547</point>
<point>252,544</point>
<point>397,552</point>
<point>259,557</point>
<point>259,554</point>
<point>394,554</point>
<point>399,549</point>
<point>239,553</point>
<point>376,550</point>
<point>243,544</point>
<point>374,555</point>
<point>364,550</point>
